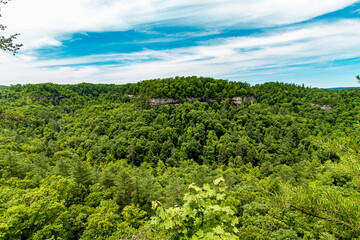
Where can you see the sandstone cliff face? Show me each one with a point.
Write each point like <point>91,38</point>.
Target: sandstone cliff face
<point>324,107</point>
<point>238,100</point>
<point>166,101</point>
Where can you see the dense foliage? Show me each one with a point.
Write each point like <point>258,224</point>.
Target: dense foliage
<point>186,87</point>
<point>201,216</point>
<point>86,161</point>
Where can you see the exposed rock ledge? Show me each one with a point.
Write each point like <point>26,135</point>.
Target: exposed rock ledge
<point>166,101</point>
<point>324,107</point>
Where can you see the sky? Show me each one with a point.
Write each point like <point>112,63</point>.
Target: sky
<point>315,43</point>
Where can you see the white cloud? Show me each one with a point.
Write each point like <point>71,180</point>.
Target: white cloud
<point>237,57</point>
<point>279,53</point>
<point>24,72</point>
<point>47,22</point>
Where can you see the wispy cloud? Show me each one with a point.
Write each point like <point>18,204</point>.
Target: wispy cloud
<point>44,22</point>
<point>282,48</point>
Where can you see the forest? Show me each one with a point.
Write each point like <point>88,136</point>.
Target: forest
<point>96,161</point>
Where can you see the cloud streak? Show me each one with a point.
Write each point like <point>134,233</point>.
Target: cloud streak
<point>44,22</point>
<point>288,48</point>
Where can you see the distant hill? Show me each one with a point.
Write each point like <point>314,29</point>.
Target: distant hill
<point>175,88</point>
<point>344,88</point>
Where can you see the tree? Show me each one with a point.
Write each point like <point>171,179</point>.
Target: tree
<point>336,204</point>
<point>203,215</point>
<point>6,42</point>
<point>103,222</point>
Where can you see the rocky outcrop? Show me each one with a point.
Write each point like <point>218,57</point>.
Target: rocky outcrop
<point>324,107</point>
<point>166,101</point>
<point>237,100</point>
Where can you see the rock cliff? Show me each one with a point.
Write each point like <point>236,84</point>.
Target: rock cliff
<point>166,101</point>
<point>324,107</point>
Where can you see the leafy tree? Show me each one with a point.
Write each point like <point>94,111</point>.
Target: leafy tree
<point>202,216</point>
<point>31,214</point>
<point>337,204</point>
<point>133,216</point>
<point>103,222</point>
<point>6,42</point>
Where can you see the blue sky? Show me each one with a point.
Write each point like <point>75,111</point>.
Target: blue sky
<point>315,43</point>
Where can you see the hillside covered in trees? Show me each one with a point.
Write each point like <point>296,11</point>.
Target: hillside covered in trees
<point>92,161</point>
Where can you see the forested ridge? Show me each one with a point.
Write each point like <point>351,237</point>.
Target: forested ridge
<point>94,161</point>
